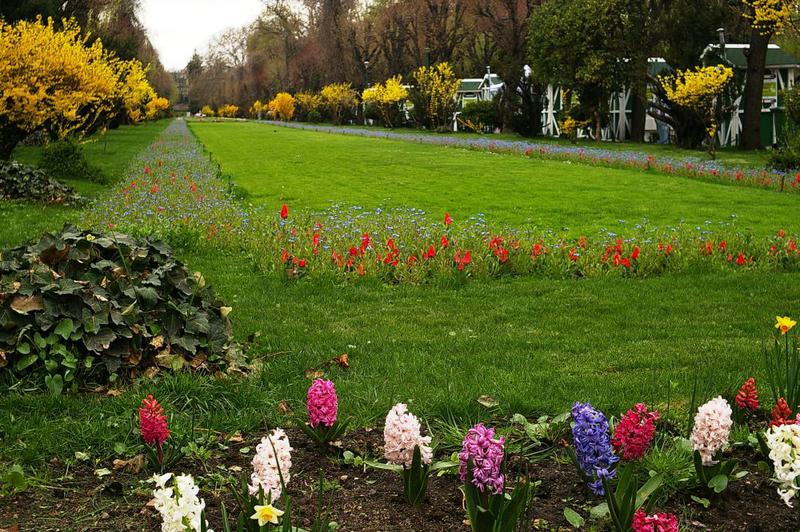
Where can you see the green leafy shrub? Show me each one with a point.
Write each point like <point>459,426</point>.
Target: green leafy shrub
<point>19,181</point>
<point>82,307</point>
<point>481,113</point>
<point>64,159</point>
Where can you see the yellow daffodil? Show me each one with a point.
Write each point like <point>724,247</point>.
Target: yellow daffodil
<point>266,514</point>
<point>784,324</point>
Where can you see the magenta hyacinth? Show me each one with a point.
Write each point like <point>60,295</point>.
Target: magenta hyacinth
<point>322,403</point>
<point>486,453</point>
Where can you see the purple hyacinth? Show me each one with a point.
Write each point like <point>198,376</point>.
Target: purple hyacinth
<point>593,445</point>
<point>487,454</point>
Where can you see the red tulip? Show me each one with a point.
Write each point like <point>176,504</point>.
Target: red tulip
<point>284,212</point>
<point>447,219</point>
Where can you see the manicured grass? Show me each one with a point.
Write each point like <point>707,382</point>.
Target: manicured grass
<point>24,220</point>
<point>308,170</point>
<point>535,345</point>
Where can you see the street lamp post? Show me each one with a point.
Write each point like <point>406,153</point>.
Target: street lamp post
<point>366,86</point>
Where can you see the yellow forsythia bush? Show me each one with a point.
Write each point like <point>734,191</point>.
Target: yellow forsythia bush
<point>308,106</point>
<point>282,106</point>
<point>51,79</point>
<point>135,91</point>
<point>770,16</point>
<point>207,110</point>
<point>387,97</point>
<point>697,90</point>
<point>227,111</point>
<point>339,98</point>
<point>156,108</point>
<point>436,88</point>
<point>256,109</point>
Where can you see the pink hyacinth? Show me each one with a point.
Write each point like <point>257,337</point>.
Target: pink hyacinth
<point>712,427</point>
<point>654,523</point>
<point>401,434</point>
<point>272,453</point>
<point>487,454</point>
<point>634,432</point>
<point>322,403</point>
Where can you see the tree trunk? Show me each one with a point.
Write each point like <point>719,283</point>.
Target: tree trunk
<point>638,116</point>
<point>753,89</point>
<point>10,136</point>
<point>598,125</point>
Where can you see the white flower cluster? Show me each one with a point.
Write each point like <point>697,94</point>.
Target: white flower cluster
<point>266,462</point>
<point>178,504</point>
<point>400,434</point>
<point>712,427</point>
<point>784,451</point>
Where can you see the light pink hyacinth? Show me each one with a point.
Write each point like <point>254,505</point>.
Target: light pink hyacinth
<point>322,403</point>
<point>265,464</point>
<point>712,427</point>
<point>400,434</point>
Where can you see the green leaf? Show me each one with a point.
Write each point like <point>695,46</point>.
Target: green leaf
<point>573,518</point>
<point>701,500</point>
<point>24,362</point>
<point>718,483</point>
<point>24,348</point>
<point>599,511</point>
<point>64,328</point>
<point>55,383</point>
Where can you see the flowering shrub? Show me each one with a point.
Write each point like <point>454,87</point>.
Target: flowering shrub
<point>434,95</point>
<point>282,106</point>
<point>593,453</point>
<point>634,432</point>
<point>271,465</point>
<point>339,98</point>
<point>783,442</point>
<point>387,97</point>
<point>180,508</point>
<point>691,167</point>
<point>227,111</point>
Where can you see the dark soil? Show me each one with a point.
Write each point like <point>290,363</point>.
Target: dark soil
<point>357,499</point>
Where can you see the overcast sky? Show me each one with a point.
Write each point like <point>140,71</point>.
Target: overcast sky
<point>179,27</point>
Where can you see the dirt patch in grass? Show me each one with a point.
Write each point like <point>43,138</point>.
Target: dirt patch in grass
<point>356,499</point>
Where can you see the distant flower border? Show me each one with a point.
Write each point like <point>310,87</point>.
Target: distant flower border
<point>696,168</point>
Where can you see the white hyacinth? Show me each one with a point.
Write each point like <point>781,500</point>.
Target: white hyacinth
<point>712,427</point>
<point>784,451</point>
<point>180,507</point>
<point>400,434</point>
<point>265,465</point>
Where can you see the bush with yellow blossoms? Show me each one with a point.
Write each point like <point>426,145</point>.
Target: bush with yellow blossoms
<point>227,111</point>
<point>308,106</point>
<point>434,95</point>
<point>770,16</point>
<point>207,110</point>
<point>51,80</point>
<point>257,109</point>
<point>387,98</point>
<point>339,98</point>
<point>282,106</point>
<point>698,90</point>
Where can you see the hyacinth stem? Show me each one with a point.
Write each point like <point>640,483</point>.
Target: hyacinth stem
<point>160,455</point>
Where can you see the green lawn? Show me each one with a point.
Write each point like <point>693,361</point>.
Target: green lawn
<point>536,345</point>
<point>24,220</point>
<point>308,170</point>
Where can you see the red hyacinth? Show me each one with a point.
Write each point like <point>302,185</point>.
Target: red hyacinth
<point>634,432</point>
<point>153,422</point>
<point>781,414</point>
<point>748,395</point>
<point>284,212</point>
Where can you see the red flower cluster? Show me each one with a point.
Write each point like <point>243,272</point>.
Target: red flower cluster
<point>748,395</point>
<point>781,414</point>
<point>153,422</point>
<point>654,523</point>
<point>462,260</point>
<point>634,432</point>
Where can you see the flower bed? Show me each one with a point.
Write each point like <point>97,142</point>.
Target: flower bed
<point>687,167</point>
